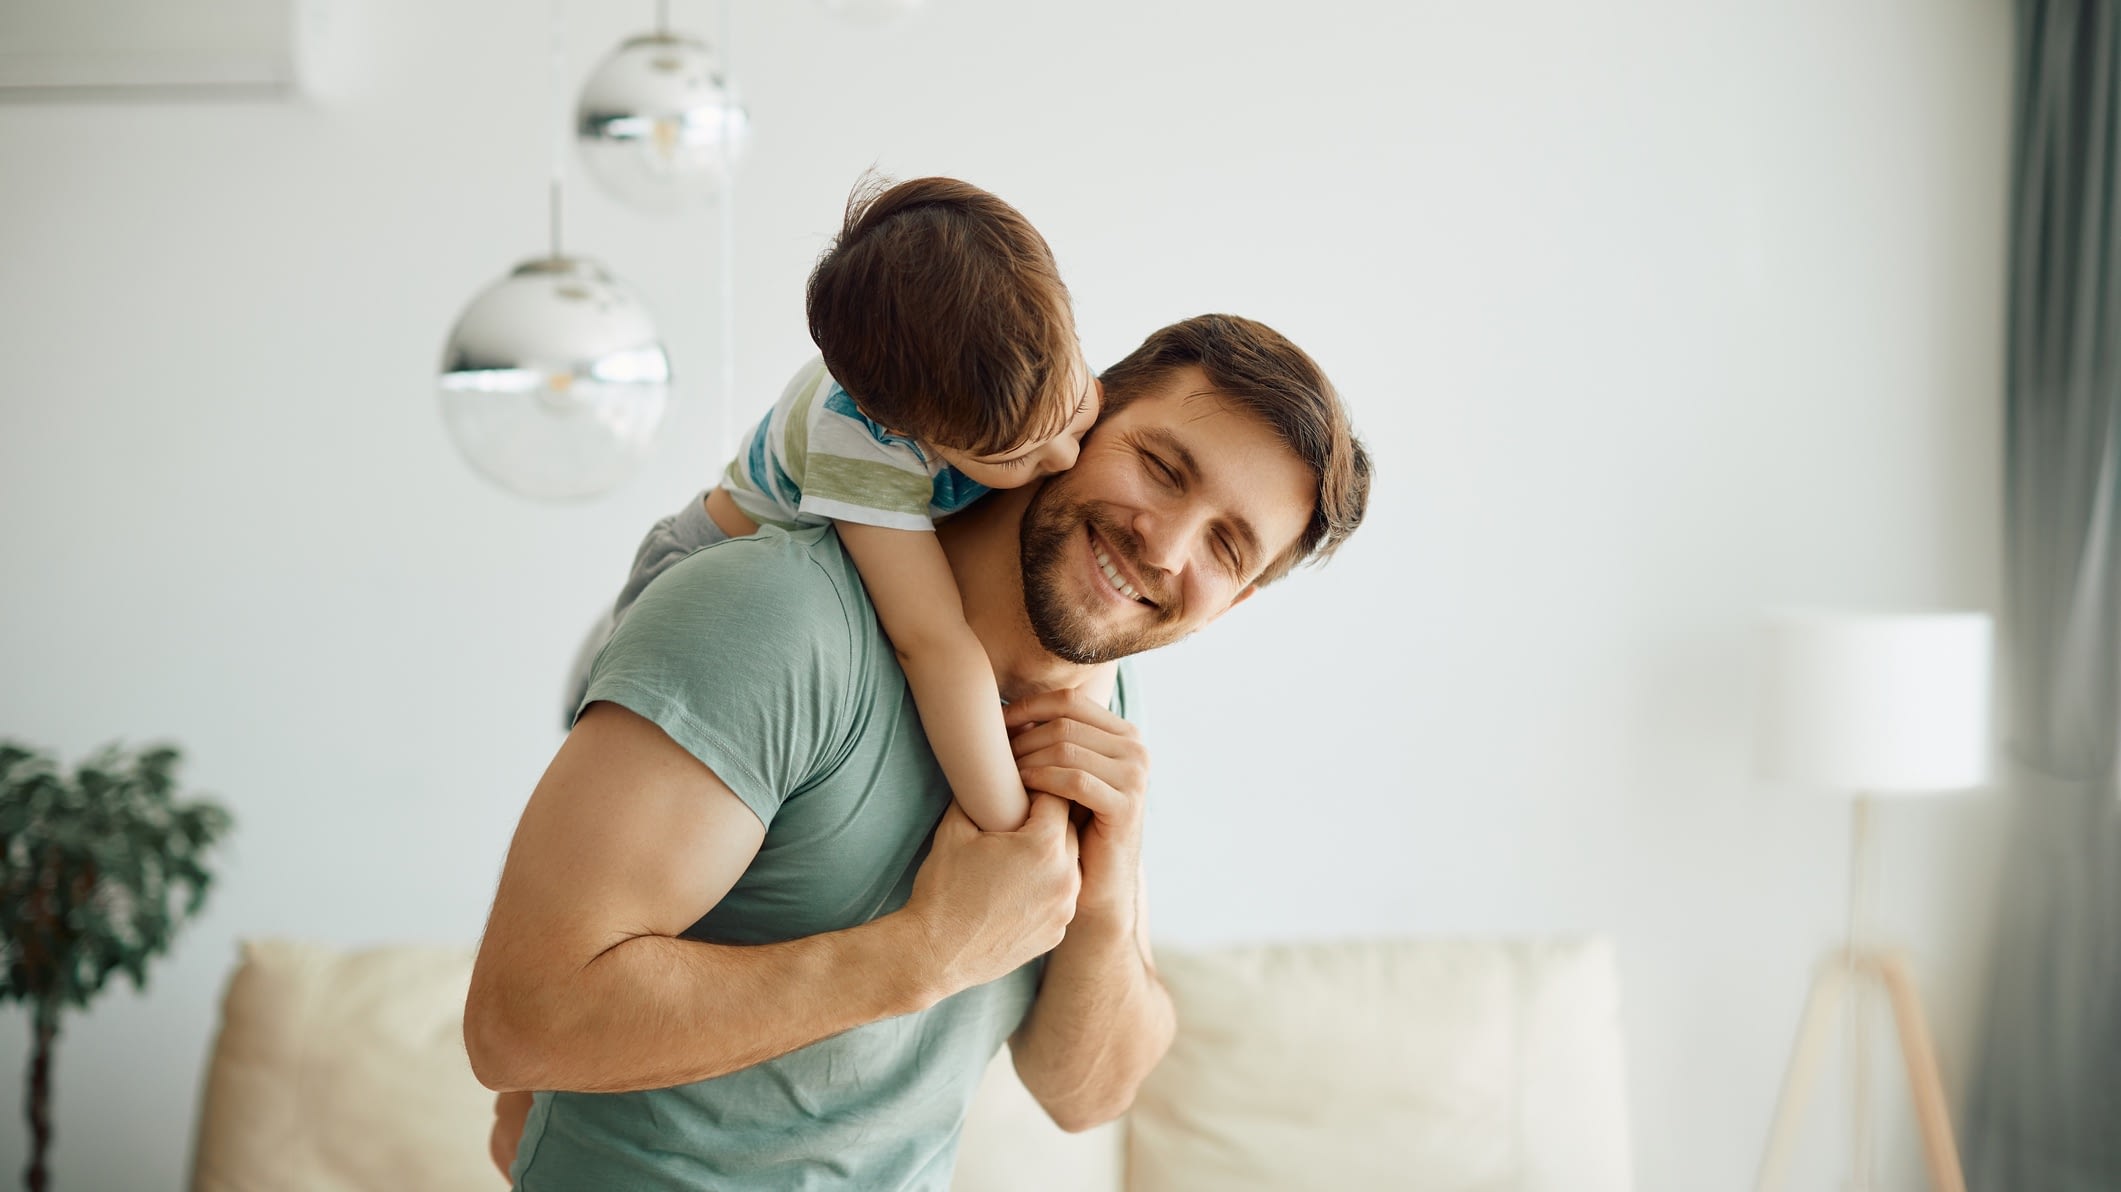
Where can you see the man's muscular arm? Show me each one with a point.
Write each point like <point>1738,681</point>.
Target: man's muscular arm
<point>582,983</point>
<point>1102,1019</point>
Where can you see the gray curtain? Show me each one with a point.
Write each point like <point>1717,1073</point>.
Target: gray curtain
<point>2044,1113</point>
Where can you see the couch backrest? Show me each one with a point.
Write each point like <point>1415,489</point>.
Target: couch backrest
<point>1444,1066</point>
<point>1448,1067</point>
<point>1010,1145</point>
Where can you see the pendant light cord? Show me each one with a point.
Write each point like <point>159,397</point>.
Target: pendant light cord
<point>556,85</point>
<point>725,212</point>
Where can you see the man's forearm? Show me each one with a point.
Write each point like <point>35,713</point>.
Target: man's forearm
<point>656,1011</point>
<point>1102,1021</point>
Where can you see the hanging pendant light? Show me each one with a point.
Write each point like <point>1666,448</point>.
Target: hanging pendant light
<point>553,380</point>
<point>659,123</point>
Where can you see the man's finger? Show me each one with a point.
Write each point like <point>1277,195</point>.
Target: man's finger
<point>1067,701</point>
<point>1118,773</point>
<point>1068,729</point>
<point>1049,815</point>
<point>1078,786</point>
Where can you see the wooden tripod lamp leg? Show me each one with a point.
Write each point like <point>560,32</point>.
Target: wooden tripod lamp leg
<point>1932,1114</point>
<point>1828,985</point>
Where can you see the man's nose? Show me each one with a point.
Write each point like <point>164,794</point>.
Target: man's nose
<point>1167,536</point>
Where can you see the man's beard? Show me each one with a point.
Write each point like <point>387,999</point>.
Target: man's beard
<point>1064,627</point>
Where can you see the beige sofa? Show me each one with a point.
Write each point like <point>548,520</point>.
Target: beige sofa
<point>1438,1066</point>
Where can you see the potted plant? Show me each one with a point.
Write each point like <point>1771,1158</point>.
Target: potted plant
<point>98,868</point>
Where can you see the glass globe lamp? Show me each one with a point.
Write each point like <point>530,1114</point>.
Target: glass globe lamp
<point>659,125</point>
<point>553,381</point>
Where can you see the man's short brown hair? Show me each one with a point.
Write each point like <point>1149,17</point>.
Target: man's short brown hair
<point>939,309</point>
<point>1255,368</point>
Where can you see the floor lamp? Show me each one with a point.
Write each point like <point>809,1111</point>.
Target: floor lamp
<point>1871,705</point>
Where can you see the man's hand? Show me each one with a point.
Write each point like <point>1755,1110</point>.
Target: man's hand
<point>989,902</point>
<point>1067,744</point>
<point>1102,1019</point>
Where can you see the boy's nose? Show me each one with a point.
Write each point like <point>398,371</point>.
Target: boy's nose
<point>1062,454</point>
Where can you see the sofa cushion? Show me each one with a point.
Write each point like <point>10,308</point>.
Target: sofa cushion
<point>1010,1145</point>
<point>344,1071</point>
<point>1449,1067</point>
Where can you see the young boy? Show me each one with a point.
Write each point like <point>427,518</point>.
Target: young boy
<point>948,367</point>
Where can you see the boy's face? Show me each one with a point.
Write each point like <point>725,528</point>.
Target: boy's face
<point>1044,457</point>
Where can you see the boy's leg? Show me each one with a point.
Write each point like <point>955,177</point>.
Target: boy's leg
<point>670,540</point>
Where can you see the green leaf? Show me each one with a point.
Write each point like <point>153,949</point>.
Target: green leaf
<point>98,869</point>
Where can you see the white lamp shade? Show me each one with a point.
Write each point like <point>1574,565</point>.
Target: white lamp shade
<point>1876,703</point>
<point>660,126</point>
<point>553,381</point>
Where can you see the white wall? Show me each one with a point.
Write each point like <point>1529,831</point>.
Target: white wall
<point>1653,313</point>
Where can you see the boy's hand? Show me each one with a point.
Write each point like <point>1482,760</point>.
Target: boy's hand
<point>1068,744</point>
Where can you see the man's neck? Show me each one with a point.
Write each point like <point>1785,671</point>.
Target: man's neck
<point>985,554</point>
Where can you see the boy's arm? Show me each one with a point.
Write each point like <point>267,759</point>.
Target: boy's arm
<point>582,982</point>
<point>915,594</point>
<point>1102,1019</point>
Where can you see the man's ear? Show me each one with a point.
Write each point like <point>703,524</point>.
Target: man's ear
<point>1236,600</point>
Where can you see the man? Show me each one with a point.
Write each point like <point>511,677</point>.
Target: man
<point>723,922</point>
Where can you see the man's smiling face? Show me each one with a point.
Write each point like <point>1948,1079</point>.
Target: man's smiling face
<point>1177,505</point>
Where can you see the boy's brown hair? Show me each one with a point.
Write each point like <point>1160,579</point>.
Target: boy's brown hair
<point>939,309</point>
<point>1255,368</point>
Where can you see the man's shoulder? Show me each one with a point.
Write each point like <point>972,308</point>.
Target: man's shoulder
<point>781,563</point>
<point>743,635</point>
<point>775,584</point>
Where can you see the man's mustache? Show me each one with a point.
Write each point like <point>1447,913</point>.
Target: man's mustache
<point>1154,581</point>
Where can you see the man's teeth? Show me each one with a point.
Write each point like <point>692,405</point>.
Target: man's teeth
<point>1112,577</point>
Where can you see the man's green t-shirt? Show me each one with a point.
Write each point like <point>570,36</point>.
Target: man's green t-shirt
<point>763,658</point>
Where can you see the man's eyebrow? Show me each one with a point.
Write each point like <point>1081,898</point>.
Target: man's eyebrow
<point>1248,538</point>
<point>1162,437</point>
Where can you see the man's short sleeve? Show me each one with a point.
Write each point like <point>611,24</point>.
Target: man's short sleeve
<point>744,655</point>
